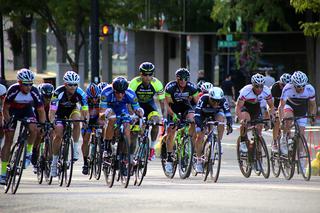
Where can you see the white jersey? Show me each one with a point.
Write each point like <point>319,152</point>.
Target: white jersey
<point>247,94</point>
<point>290,93</point>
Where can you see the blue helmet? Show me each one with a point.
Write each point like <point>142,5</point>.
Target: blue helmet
<point>102,85</point>
<point>93,91</point>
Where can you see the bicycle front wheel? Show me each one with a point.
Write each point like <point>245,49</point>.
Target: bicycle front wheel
<point>262,157</point>
<point>185,157</point>
<point>243,161</point>
<point>125,163</point>
<point>68,162</point>
<point>19,166</point>
<point>214,161</point>
<point>304,164</point>
<point>141,161</point>
<point>275,161</point>
<point>98,160</point>
<point>11,166</point>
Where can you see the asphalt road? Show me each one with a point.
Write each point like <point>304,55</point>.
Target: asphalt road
<point>232,192</point>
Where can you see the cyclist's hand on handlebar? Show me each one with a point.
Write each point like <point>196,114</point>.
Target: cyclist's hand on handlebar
<point>175,118</point>
<point>312,120</point>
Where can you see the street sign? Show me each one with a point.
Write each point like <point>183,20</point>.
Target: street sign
<point>223,44</point>
<point>229,37</point>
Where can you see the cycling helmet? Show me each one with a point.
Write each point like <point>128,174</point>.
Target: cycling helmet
<point>216,93</point>
<point>205,87</point>
<point>183,73</point>
<point>285,78</point>
<point>257,79</point>
<point>25,75</point>
<point>3,90</point>
<point>93,91</point>
<point>71,77</point>
<point>199,84</point>
<point>46,89</point>
<point>146,68</point>
<point>102,85</point>
<point>120,84</point>
<point>298,78</point>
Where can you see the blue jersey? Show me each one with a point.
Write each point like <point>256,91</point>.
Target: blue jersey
<point>108,100</point>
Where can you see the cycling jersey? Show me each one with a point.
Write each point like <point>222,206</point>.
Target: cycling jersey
<point>144,93</point>
<point>108,100</point>
<point>64,104</point>
<point>252,101</point>
<point>203,103</point>
<point>182,100</point>
<point>276,92</point>
<point>298,101</point>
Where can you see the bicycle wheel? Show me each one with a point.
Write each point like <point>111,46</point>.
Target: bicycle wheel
<point>141,161</point>
<point>11,166</point>
<point>92,159</point>
<point>60,168</point>
<point>303,155</point>
<point>68,162</point>
<point>125,163</point>
<point>164,157</point>
<point>214,161</point>
<point>275,161</point>
<point>47,161</point>
<point>98,160</point>
<point>40,167</point>
<point>243,161</point>
<point>19,166</point>
<point>287,164</point>
<point>185,157</point>
<point>262,158</point>
<point>109,170</point>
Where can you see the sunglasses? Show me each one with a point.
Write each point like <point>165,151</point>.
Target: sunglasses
<point>183,79</point>
<point>215,100</point>
<point>146,74</point>
<point>27,84</point>
<point>258,86</point>
<point>117,92</point>
<point>72,85</point>
<point>299,87</point>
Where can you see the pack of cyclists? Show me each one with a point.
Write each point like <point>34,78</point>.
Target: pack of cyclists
<point>145,96</point>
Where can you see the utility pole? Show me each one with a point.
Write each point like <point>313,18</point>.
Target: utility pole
<point>1,51</point>
<point>95,41</point>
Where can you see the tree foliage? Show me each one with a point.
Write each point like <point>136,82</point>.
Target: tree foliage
<point>309,28</point>
<point>258,12</point>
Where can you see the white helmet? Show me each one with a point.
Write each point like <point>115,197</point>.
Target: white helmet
<point>71,77</point>
<point>285,78</point>
<point>25,75</point>
<point>216,93</point>
<point>3,90</point>
<point>257,79</point>
<point>205,87</point>
<point>299,79</point>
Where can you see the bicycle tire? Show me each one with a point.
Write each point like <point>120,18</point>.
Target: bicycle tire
<point>60,168</point>
<point>10,167</point>
<point>275,161</point>
<point>125,164</point>
<point>40,164</point>
<point>142,161</point>
<point>68,163</point>
<point>185,157</point>
<point>287,163</point>
<point>265,171</point>
<point>243,161</point>
<point>47,162</point>
<point>214,159</point>
<point>164,156</point>
<point>19,166</point>
<point>92,160</point>
<point>304,165</point>
<point>98,160</point>
<point>110,168</point>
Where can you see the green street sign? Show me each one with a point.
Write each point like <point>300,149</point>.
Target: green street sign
<point>224,44</point>
<point>229,37</point>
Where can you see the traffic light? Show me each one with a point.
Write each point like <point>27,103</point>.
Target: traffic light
<point>106,30</point>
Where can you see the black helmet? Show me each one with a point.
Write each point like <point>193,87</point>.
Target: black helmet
<point>120,84</point>
<point>146,68</point>
<point>46,89</point>
<point>183,73</point>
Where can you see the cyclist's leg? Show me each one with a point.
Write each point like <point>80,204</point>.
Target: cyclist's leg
<point>221,118</point>
<point>109,131</point>
<point>288,113</point>
<point>5,152</point>
<point>56,144</point>
<point>155,117</point>
<point>75,115</point>
<point>86,132</point>
<point>192,129</point>
<point>200,133</point>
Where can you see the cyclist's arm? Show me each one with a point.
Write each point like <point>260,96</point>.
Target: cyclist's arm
<point>281,108</point>
<point>312,107</point>
<point>42,114</point>
<point>271,107</point>
<point>167,101</point>
<point>239,105</point>
<point>5,111</point>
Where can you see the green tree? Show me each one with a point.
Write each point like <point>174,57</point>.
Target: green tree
<point>309,28</point>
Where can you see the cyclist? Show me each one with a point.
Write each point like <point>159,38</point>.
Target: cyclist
<point>146,86</point>
<point>20,100</point>
<point>113,102</point>
<point>219,109</point>
<point>3,92</point>
<point>180,95</point>
<point>46,91</point>
<point>248,105</point>
<point>64,105</point>
<point>199,84</point>
<point>93,99</point>
<point>276,91</point>
<point>298,98</point>
<point>205,87</point>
